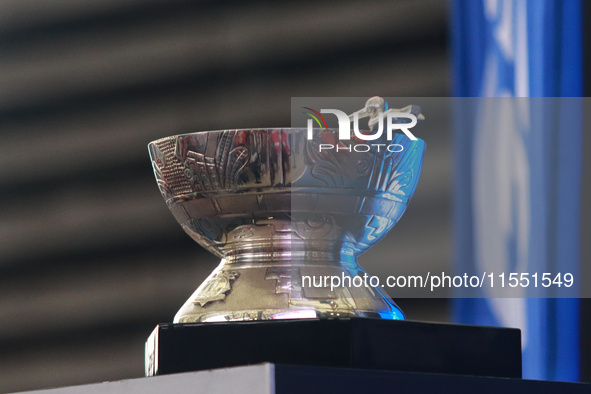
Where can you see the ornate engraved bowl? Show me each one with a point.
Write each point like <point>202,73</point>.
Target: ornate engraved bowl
<point>283,212</point>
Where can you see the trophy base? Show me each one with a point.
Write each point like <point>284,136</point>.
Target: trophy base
<point>350,343</point>
<point>273,290</point>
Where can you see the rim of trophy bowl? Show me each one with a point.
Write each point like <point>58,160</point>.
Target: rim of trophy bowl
<point>258,129</point>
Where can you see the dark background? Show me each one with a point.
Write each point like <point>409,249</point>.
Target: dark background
<point>90,258</point>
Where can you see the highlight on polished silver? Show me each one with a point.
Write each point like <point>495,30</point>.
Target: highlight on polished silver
<point>276,209</point>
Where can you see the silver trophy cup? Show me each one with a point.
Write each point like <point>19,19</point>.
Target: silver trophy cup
<point>285,216</point>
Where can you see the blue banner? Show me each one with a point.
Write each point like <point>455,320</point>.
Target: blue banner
<point>517,200</point>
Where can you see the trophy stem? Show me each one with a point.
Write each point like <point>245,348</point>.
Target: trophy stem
<point>285,278</point>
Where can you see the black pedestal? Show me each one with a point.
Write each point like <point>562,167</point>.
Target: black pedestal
<point>351,343</point>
